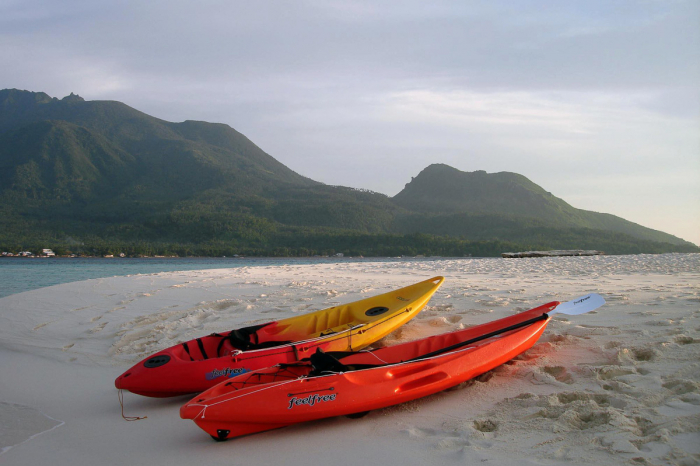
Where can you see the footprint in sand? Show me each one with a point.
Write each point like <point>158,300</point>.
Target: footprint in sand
<point>685,340</point>
<point>453,443</point>
<point>560,373</point>
<point>682,386</point>
<point>473,312</point>
<point>644,354</point>
<point>98,328</point>
<point>224,304</point>
<point>558,339</point>
<point>645,313</point>
<point>486,425</point>
<point>493,302</point>
<point>605,373</point>
<point>273,310</point>
<point>444,439</point>
<point>41,325</point>
<point>81,308</point>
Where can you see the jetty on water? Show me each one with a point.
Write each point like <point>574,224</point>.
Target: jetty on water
<point>554,253</point>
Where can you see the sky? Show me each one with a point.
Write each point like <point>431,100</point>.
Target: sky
<point>597,101</point>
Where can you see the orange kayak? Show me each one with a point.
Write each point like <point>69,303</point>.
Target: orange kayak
<point>198,364</point>
<point>340,383</point>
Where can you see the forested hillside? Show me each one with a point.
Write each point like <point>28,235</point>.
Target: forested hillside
<point>99,177</point>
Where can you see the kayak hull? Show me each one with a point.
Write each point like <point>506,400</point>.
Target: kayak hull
<point>198,364</point>
<point>281,396</point>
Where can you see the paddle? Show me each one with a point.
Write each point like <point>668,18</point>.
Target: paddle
<point>580,305</point>
<point>577,306</point>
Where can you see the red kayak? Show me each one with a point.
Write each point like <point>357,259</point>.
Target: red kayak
<point>336,384</point>
<point>198,364</point>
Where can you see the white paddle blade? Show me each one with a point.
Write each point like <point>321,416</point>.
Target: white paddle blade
<point>580,305</point>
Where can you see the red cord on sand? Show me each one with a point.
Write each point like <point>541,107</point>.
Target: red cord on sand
<point>121,402</point>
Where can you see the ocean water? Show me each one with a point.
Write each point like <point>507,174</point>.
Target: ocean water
<point>24,274</point>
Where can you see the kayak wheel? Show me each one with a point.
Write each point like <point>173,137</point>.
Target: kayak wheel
<point>357,415</point>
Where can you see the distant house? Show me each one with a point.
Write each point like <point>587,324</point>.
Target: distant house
<point>47,253</point>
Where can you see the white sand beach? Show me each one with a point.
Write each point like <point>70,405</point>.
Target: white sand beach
<point>620,385</point>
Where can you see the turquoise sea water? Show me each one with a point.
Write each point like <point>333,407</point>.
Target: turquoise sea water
<point>24,274</point>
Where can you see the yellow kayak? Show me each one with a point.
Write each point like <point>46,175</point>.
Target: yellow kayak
<point>198,364</point>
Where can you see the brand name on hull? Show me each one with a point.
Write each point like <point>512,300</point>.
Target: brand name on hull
<point>310,400</point>
<point>226,372</point>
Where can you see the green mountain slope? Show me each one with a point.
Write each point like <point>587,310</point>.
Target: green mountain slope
<point>468,202</point>
<point>101,176</point>
<point>56,160</point>
<point>103,164</point>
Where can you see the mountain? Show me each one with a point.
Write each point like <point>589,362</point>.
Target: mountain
<point>185,157</point>
<point>102,177</point>
<point>449,197</point>
<point>105,168</point>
